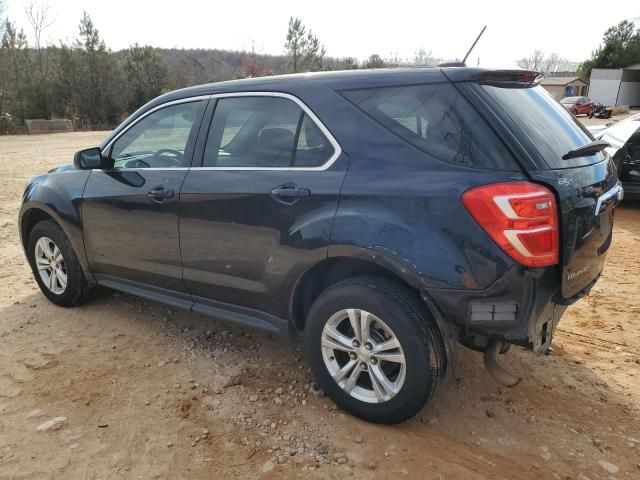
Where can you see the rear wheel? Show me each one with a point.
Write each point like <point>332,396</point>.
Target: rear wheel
<point>374,349</point>
<point>55,265</point>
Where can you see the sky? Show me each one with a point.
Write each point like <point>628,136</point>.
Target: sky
<point>348,27</point>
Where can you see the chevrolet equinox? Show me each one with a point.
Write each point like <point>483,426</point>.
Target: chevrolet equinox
<point>386,215</point>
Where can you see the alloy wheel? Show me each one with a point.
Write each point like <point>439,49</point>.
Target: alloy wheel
<point>363,355</point>
<point>51,266</point>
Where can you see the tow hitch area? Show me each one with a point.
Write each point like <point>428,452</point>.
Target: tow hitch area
<point>493,367</point>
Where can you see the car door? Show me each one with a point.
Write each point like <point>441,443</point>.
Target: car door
<point>130,208</point>
<point>259,210</point>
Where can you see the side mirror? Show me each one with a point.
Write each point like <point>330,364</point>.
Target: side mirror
<point>88,159</point>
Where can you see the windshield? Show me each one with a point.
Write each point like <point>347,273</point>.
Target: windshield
<point>550,128</point>
<point>569,100</point>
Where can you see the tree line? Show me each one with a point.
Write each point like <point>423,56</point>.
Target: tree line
<point>85,81</point>
<point>82,80</point>
<point>620,48</point>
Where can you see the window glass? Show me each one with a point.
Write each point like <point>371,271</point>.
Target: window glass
<point>437,120</point>
<point>548,126</point>
<point>259,132</point>
<point>313,148</point>
<point>159,140</point>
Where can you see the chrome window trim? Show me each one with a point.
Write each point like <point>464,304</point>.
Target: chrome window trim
<point>337,150</point>
<point>149,112</point>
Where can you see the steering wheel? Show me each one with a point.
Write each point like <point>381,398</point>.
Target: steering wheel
<point>136,164</point>
<point>164,152</point>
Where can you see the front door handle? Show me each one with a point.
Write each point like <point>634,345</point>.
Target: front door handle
<point>159,194</point>
<point>290,192</point>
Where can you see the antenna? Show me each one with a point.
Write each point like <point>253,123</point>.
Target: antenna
<point>463,62</point>
<point>474,44</point>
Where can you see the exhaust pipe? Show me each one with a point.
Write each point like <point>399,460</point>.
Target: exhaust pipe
<point>493,367</point>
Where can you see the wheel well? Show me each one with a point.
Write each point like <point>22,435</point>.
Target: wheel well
<point>29,220</point>
<point>329,272</point>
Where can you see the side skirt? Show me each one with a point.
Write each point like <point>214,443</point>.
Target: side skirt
<point>219,310</point>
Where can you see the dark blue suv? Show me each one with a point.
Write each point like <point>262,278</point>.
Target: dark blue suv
<point>386,214</point>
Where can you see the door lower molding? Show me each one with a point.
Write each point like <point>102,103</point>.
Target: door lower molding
<point>220,310</point>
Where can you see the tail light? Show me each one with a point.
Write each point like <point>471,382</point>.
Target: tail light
<point>520,217</point>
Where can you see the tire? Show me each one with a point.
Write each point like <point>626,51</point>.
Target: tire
<point>393,310</point>
<point>76,290</point>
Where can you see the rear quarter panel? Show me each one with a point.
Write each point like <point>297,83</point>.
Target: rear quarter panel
<point>401,208</point>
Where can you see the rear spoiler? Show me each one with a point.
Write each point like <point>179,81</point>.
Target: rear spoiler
<point>497,78</point>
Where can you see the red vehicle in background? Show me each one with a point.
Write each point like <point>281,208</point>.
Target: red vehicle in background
<point>579,105</point>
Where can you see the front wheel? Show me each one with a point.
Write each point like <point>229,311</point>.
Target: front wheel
<point>55,265</point>
<point>374,349</point>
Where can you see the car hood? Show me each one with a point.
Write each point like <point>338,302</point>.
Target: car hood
<point>62,168</point>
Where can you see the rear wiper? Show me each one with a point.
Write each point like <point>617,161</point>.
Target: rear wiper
<point>586,149</point>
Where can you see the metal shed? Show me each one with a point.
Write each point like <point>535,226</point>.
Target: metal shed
<point>616,86</point>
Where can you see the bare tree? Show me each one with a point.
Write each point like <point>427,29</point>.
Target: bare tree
<point>422,57</point>
<point>253,65</point>
<point>40,18</point>
<point>2,20</point>
<point>546,63</point>
<point>532,62</point>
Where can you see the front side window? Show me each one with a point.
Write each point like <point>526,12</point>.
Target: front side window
<point>438,120</point>
<point>159,140</point>
<point>264,132</point>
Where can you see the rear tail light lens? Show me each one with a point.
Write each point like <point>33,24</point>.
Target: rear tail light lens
<point>521,217</point>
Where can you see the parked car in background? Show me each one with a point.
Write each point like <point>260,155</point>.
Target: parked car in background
<point>624,140</point>
<point>578,105</point>
<point>383,214</point>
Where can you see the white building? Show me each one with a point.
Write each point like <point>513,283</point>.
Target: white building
<point>616,87</point>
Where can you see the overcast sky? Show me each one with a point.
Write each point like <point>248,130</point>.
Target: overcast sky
<point>349,27</point>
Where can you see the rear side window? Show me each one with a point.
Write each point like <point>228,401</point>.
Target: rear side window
<point>437,120</point>
<point>264,132</point>
<point>548,126</point>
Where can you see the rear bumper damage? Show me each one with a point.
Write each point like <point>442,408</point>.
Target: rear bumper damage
<point>523,308</point>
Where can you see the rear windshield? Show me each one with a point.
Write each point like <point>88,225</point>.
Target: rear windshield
<point>550,128</point>
<point>437,120</point>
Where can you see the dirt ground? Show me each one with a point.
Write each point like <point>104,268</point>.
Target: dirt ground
<point>151,392</point>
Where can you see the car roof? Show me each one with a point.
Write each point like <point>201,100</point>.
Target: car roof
<point>338,80</point>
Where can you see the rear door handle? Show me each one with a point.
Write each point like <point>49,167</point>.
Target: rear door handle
<point>159,194</point>
<point>290,192</point>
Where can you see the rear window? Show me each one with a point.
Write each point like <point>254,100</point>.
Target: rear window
<point>549,127</point>
<point>438,120</point>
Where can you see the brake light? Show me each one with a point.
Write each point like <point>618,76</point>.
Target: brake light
<point>520,217</point>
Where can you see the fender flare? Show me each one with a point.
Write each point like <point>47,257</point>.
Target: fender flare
<point>71,225</point>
